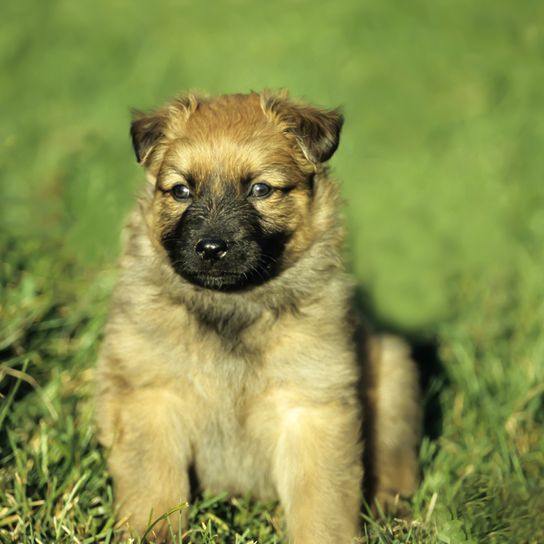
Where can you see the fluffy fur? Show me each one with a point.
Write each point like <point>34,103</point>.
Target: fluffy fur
<point>256,384</point>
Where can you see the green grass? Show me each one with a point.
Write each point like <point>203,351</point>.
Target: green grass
<point>441,164</point>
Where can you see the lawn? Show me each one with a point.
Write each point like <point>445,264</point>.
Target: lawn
<point>441,165</point>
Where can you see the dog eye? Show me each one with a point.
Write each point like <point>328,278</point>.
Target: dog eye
<point>260,190</point>
<point>180,192</point>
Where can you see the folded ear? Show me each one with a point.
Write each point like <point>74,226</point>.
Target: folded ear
<point>148,130</point>
<point>317,130</point>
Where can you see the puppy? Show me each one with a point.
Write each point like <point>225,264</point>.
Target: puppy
<point>230,350</point>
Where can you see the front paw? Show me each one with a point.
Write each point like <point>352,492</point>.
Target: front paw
<point>161,528</point>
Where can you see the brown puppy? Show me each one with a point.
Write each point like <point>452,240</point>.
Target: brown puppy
<point>230,347</point>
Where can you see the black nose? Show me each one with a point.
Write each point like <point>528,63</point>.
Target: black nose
<point>211,248</point>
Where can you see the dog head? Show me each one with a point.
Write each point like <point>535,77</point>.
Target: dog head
<point>233,183</point>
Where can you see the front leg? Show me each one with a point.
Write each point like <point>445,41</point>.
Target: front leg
<point>148,458</point>
<point>317,469</point>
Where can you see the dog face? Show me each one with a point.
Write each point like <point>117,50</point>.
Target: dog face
<point>233,183</point>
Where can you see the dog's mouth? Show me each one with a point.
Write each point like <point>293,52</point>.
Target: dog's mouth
<point>223,281</point>
<point>244,265</point>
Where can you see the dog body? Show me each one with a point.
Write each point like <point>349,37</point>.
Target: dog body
<point>230,347</point>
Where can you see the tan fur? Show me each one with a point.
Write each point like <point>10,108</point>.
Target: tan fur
<point>258,390</point>
<point>393,429</point>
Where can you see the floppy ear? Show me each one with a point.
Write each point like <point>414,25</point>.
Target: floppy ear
<point>317,130</point>
<point>147,130</point>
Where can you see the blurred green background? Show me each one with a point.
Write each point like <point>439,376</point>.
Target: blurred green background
<point>441,165</point>
<point>440,159</point>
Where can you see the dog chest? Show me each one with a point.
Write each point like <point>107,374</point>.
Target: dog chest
<point>230,457</point>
